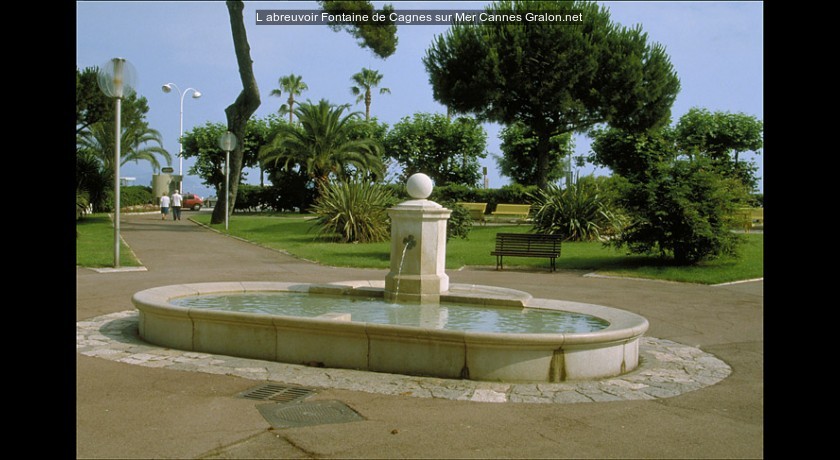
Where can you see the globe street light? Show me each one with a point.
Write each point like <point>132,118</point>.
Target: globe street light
<point>196,94</point>
<point>227,142</point>
<point>117,78</point>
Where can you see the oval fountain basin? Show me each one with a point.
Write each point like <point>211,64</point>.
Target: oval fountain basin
<point>457,317</point>
<point>496,334</point>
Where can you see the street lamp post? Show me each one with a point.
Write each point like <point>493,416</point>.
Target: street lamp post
<point>117,79</point>
<point>227,142</point>
<point>196,94</point>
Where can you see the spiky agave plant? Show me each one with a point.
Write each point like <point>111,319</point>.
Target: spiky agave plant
<point>353,210</point>
<point>577,212</point>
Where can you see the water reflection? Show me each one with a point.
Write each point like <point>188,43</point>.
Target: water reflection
<point>370,310</point>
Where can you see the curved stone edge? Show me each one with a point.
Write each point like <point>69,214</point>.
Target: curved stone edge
<point>487,356</point>
<point>666,369</point>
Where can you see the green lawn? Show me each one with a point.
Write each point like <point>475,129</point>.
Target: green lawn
<point>95,243</point>
<point>296,235</point>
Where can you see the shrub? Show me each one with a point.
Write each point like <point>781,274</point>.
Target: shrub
<point>453,193</point>
<point>95,181</point>
<point>460,222</point>
<point>577,212</point>
<point>247,197</point>
<point>354,210</point>
<point>82,204</point>
<point>135,195</point>
<point>683,210</point>
<point>291,189</point>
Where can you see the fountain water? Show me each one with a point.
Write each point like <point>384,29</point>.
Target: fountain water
<point>408,242</point>
<point>418,248</point>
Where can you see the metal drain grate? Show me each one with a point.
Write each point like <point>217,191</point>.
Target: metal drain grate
<point>308,413</point>
<point>279,393</point>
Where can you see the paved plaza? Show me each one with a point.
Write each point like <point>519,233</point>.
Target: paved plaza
<point>698,393</point>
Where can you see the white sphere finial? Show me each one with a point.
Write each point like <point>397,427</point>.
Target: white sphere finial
<point>419,186</point>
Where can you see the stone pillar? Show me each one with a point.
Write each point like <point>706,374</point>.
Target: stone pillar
<point>418,246</point>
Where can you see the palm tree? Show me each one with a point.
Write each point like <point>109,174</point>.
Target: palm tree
<point>322,144</point>
<point>294,85</point>
<point>138,142</point>
<point>367,79</point>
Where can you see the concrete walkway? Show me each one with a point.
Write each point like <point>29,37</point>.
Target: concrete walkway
<point>131,409</point>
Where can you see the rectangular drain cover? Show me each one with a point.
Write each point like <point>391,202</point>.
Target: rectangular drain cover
<point>279,393</point>
<point>308,413</point>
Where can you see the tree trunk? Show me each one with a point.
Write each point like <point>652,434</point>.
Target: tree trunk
<point>367,105</point>
<point>543,153</point>
<point>241,110</point>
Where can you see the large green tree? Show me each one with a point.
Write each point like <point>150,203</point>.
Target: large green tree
<point>292,85</point>
<point>202,143</point>
<point>679,207</point>
<point>722,136</point>
<point>365,81</point>
<point>553,78</point>
<point>93,106</point>
<point>323,145</point>
<point>91,102</point>
<point>519,155</point>
<point>447,151</point>
<point>380,37</point>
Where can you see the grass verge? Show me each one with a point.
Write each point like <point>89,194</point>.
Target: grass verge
<point>95,243</point>
<point>295,234</point>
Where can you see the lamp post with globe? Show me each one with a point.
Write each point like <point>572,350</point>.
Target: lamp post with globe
<point>117,78</point>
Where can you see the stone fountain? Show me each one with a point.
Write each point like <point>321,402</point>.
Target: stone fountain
<point>428,347</point>
<point>418,246</point>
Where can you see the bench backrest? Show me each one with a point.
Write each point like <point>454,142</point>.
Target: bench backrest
<point>475,206</point>
<point>514,208</point>
<point>528,242</point>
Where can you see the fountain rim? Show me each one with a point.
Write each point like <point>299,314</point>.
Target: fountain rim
<point>623,325</point>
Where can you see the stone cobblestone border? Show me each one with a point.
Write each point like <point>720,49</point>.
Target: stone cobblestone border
<point>666,369</point>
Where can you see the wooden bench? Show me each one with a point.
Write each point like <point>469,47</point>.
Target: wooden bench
<point>526,245</point>
<point>514,210</point>
<point>476,211</point>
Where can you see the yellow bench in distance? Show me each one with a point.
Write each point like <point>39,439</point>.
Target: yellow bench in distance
<point>513,210</point>
<point>476,211</point>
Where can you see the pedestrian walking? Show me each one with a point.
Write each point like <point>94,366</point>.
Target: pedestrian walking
<point>164,207</point>
<point>176,206</point>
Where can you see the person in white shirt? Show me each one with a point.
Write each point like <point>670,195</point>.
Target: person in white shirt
<point>164,207</point>
<point>176,206</point>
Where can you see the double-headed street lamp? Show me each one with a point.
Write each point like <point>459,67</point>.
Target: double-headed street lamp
<point>196,94</point>
<point>117,78</point>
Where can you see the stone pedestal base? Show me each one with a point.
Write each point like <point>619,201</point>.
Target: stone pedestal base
<point>418,252</point>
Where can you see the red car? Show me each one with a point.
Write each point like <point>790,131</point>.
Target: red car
<point>191,201</point>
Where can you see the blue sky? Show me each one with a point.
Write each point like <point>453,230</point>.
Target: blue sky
<point>717,49</point>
